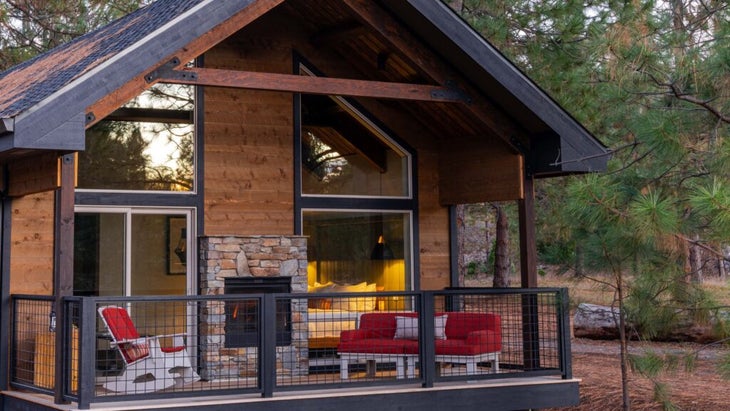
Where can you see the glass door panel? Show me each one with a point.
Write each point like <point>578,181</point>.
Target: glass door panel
<point>130,252</point>
<point>156,268</point>
<point>99,254</point>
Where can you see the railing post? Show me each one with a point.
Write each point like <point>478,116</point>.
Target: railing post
<point>87,349</point>
<point>530,331</point>
<point>267,347</point>
<point>427,338</point>
<point>566,362</point>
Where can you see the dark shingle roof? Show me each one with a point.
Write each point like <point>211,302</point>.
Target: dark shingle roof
<point>27,84</point>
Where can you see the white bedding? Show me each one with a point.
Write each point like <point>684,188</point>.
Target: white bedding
<point>329,323</point>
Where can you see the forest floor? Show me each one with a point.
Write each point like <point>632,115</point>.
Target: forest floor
<point>596,362</point>
<point>701,388</point>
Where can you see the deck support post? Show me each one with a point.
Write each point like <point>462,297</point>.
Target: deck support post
<point>63,265</point>
<point>268,345</point>
<point>528,270</point>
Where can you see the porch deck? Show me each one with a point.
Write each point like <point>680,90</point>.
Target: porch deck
<point>279,371</point>
<point>499,394</point>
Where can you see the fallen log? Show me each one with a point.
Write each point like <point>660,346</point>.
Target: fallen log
<point>595,321</point>
<point>600,322</point>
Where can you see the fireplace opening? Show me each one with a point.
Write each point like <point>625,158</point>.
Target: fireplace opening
<point>242,316</point>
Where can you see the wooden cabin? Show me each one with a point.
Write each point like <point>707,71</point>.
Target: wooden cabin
<point>326,142</point>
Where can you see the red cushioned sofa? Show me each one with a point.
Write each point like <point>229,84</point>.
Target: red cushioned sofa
<point>461,337</point>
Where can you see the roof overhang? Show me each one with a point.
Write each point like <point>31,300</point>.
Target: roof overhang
<point>571,147</point>
<point>58,121</point>
<point>7,125</point>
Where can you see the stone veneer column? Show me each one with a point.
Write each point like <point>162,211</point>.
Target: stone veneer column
<point>250,256</point>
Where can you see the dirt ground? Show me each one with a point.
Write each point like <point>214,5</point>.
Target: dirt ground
<point>597,364</point>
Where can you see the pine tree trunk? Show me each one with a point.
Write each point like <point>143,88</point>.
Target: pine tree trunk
<point>695,262</point>
<point>501,249</point>
<point>623,341</point>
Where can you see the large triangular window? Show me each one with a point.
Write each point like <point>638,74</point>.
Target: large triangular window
<point>344,153</point>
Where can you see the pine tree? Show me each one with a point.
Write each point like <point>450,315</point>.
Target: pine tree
<point>30,27</point>
<point>651,80</point>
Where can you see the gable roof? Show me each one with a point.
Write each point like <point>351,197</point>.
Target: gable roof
<point>43,101</point>
<point>29,83</point>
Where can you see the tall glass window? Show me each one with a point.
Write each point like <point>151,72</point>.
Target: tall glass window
<point>351,247</point>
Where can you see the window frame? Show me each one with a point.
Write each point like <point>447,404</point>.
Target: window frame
<point>354,203</point>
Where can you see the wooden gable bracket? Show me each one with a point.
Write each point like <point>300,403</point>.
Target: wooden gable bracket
<point>306,84</point>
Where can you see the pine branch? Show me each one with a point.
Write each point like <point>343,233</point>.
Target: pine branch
<point>698,243</point>
<point>702,103</point>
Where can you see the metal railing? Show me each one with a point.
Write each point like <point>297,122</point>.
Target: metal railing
<point>264,343</point>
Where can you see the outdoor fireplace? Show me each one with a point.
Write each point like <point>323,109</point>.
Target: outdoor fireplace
<point>243,316</point>
<point>242,268</point>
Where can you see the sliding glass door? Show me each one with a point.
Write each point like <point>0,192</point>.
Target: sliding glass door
<point>133,251</point>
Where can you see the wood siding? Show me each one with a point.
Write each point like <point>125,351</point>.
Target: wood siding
<point>475,170</point>
<point>32,175</point>
<point>249,154</point>
<point>31,255</point>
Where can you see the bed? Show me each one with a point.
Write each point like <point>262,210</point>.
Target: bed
<point>328,315</point>
<point>324,326</point>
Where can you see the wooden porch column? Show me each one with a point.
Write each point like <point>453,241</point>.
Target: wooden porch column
<point>528,246</point>
<point>63,245</point>
<point>528,271</point>
<point>6,212</point>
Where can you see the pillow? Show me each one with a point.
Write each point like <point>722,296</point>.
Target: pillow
<point>320,288</point>
<point>321,303</point>
<point>367,303</point>
<point>406,328</point>
<point>439,326</point>
<point>353,303</point>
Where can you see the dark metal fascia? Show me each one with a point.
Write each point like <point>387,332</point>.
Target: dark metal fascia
<point>7,126</point>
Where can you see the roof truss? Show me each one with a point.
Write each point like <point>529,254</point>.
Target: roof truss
<point>308,84</point>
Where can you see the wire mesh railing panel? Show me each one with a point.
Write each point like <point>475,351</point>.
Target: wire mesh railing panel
<point>33,352</point>
<point>350,338</point>
<point>258,343</point>
<point>177,346</point>
<point>522,333</point>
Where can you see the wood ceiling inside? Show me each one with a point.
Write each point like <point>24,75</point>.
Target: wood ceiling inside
<point>334,26</point>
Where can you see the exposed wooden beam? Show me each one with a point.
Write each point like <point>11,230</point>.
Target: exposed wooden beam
<point>194,49</point>
<point>309,84</point>
<point>413,51</point>
<point>528,247</point>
